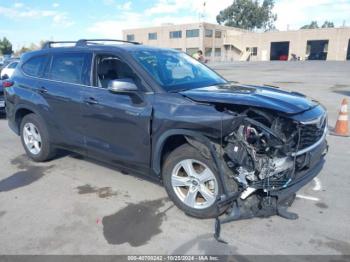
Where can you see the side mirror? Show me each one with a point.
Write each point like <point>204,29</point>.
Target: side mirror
<point>125,85</point>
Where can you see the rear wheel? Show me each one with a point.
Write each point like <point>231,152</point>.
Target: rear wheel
<point>192,182</point>
<point>35,139</point>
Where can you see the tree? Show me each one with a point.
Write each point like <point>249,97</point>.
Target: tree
<point>31,47</point>
<point>314,25</point>
<point>22,50</point>
<point>328,24</point>
<point>249,14</point>
<point>5,46</point>
<point>42,43</point>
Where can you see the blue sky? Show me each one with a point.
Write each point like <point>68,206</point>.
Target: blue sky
<point>25,21</point>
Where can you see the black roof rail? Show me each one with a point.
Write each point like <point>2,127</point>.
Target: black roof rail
<point>85,42</point>
<point>49,44</point>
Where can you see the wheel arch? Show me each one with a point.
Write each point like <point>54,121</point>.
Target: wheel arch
<point>20,113</point>
<point>172,139</point>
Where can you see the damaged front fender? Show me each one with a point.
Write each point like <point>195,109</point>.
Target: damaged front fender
<point>198,140</point>
<point>256,148</point>
<point>263,155</point>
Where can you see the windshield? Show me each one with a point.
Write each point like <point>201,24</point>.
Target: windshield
<point>176,71</point>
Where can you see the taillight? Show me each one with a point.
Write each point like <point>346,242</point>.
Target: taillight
<point>7,84</point>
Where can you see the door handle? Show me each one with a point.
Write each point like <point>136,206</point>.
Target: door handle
<point>42,90</point>
<point>91,101</point>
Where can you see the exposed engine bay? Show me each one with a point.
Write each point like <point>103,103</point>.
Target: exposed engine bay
<point>259,150</point>
<point>262,152</point>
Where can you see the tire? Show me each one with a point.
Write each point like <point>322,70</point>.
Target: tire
<point>45,151</point>
<point>179,194</point>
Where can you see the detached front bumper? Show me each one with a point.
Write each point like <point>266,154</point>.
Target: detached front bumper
<point>315,161</point>
<point>274,202</point>
<point>313,164</point>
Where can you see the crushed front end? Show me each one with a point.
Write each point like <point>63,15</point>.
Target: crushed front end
<point>270,156</point>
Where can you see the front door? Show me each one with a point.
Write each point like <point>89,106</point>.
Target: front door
<point>116,126</point>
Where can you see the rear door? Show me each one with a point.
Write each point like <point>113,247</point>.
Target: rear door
<point>65,79</point>
<point>117,126</point>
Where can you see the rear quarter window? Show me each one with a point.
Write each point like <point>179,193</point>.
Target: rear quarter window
<point>35,65</point>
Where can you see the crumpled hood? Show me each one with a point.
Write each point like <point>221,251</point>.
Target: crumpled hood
<point>263,97</point>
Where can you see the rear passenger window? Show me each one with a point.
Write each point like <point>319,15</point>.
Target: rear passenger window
<point>71,68</point>
<point>35,66</point>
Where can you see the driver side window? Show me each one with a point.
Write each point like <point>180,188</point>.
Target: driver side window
<point>109,67</point>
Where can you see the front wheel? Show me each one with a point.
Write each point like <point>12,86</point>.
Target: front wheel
<point>191,182</point>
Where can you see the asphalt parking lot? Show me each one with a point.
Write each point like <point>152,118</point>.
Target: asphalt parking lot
<point>74,205</point>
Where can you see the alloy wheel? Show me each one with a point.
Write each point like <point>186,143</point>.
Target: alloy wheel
<point>32,138</point>
<point>194,184</point>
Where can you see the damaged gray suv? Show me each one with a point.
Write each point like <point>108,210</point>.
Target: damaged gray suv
<point>217,146</point>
